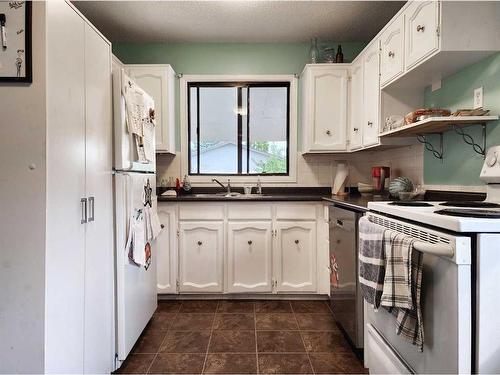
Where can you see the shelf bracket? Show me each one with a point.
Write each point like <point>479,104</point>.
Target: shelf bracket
<point>481,150</point>
<point>438,154</point>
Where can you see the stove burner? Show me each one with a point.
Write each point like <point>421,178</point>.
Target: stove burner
<point>410,204</point>
<point>485,214</point>
<point>478,204</point>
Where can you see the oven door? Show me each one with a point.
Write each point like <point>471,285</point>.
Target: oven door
<point>446,308</point>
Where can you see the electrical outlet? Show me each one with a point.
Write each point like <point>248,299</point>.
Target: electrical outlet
<point>478,98</point>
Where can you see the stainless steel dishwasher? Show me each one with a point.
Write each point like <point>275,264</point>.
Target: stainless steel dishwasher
<point>345,295</point>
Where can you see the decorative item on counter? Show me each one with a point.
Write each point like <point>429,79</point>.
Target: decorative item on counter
<point>169,193</point>
<point>339,57</point>
<point>471,112</point>
<point>329,55</point>
<point>247,189</point>
<point>379,174</point>
<point>393,122</point>
<point>178,186</point>
<point>186,184</point>
<point>340,180</point>
<point>313,51</point>
<point>423,113</point>
<point>401,185</point>
<point>365,189</point>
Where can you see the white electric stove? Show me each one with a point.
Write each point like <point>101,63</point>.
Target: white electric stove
<point>460,287</point>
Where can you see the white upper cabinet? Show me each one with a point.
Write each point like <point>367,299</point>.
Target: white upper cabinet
<point>201,247</point>
<point>356,106</point>
<point>159,82</point>
<point>392,50</point>
<point>422,36</point>
<point>371,95</point>
<point>249,257</point>
<point>324,110</point>
<point>295,256</point>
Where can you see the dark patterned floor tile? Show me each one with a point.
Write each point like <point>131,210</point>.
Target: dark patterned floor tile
<point>236,307</point>
<point>185,342</point>
<point>279,321</point>
<point>316,322</point>
<point>310,307</point>
<point>284,364</point>
<point>225,363</point>
<point>325,341</point>
<point>336,363</point>
<point>192,322</point>
<point>168,306</point>
<point>232,342</point>
<point>177,364</point>
<point>136,364</point>
<point>236,322</point>
<point>149,342</point>
<point>198,306</point>
<point>273,307</point>
<point>279,341</point>
<point>161,321</point>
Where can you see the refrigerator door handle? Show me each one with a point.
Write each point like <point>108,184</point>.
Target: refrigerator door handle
<point>91,209</point>
<point>83,202</point>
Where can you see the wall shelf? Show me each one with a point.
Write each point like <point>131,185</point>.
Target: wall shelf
<point>433,125</point>
<point>438,125</point>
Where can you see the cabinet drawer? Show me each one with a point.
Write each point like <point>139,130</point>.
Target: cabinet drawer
<point>249,211</point>
<point>296,212</point>
<point>392,45</point>
<point>201,211</point>
<point>422,21</point>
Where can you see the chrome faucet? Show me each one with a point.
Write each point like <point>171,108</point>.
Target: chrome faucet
<point>228,187</point>
<point>259,186</point>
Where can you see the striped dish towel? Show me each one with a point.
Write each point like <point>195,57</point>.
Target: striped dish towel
<point>402,285</point>
<point>371,261</point>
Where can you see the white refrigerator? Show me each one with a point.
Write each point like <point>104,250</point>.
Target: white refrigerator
<point>136,293</point>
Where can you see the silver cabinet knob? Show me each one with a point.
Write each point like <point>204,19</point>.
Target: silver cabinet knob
<point>328,132</point>
<point>420,28</point>
<point>355,129</point>
<point>250,242</point>
<point>370,123</point>
<point>391,54</point>
<point>200,243</point>
<point>297,241</point>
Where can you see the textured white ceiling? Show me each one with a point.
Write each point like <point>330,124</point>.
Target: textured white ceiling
<point>238,21</point>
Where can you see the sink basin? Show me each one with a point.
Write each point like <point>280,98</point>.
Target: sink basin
<point>226,195</point>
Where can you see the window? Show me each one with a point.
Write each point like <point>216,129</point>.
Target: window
<point>238,128</point>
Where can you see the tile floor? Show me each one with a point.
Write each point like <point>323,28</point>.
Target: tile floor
<point>242,337</point>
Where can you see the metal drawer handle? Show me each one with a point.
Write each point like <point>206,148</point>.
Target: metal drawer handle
<point>91,209</point>
<point>391,54</point>
<point>355,129</point>
<point>83,202</point>
<point>297,242</point>
<point>200,243</point>
<point>370,123</point>
<point>328,132</point>
<point>421,28</point>
<point>250,242</point>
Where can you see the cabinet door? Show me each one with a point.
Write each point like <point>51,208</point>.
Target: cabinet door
<point>371,95</point>
<point>392,51</point>
<point>249,257</point>
<point>65,253</point>
<point>99,265</point>
<point>295,256</point>
<point>422,21</point>
<point>166,250</point>
<point>201,247</point>
<point>356,106</point>
<point>327,109</point>
<point>158,81</point>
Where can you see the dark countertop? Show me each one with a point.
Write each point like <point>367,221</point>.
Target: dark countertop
<point>356,202</point>
<point>244,198</point>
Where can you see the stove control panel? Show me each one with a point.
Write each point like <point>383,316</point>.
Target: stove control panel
<point>491,167</point>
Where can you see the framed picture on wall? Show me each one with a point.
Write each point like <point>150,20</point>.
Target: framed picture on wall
<point>15,41</point>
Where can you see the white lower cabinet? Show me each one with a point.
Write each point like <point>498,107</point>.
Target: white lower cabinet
<point>249,257</point>
<point>295,256</point>
<point>201,247</point>
<point>166,245</point>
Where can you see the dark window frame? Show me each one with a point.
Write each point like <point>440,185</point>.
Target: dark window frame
<point>239,85</point>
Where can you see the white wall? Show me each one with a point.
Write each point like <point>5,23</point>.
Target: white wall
<point>22,207</point>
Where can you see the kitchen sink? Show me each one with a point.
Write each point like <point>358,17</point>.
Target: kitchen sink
<point>226,195</point>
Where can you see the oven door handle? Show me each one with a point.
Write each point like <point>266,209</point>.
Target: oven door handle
<point>435,249</point>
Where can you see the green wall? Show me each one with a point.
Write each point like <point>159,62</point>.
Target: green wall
<point>225,58</point>
<point>461,165</point>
